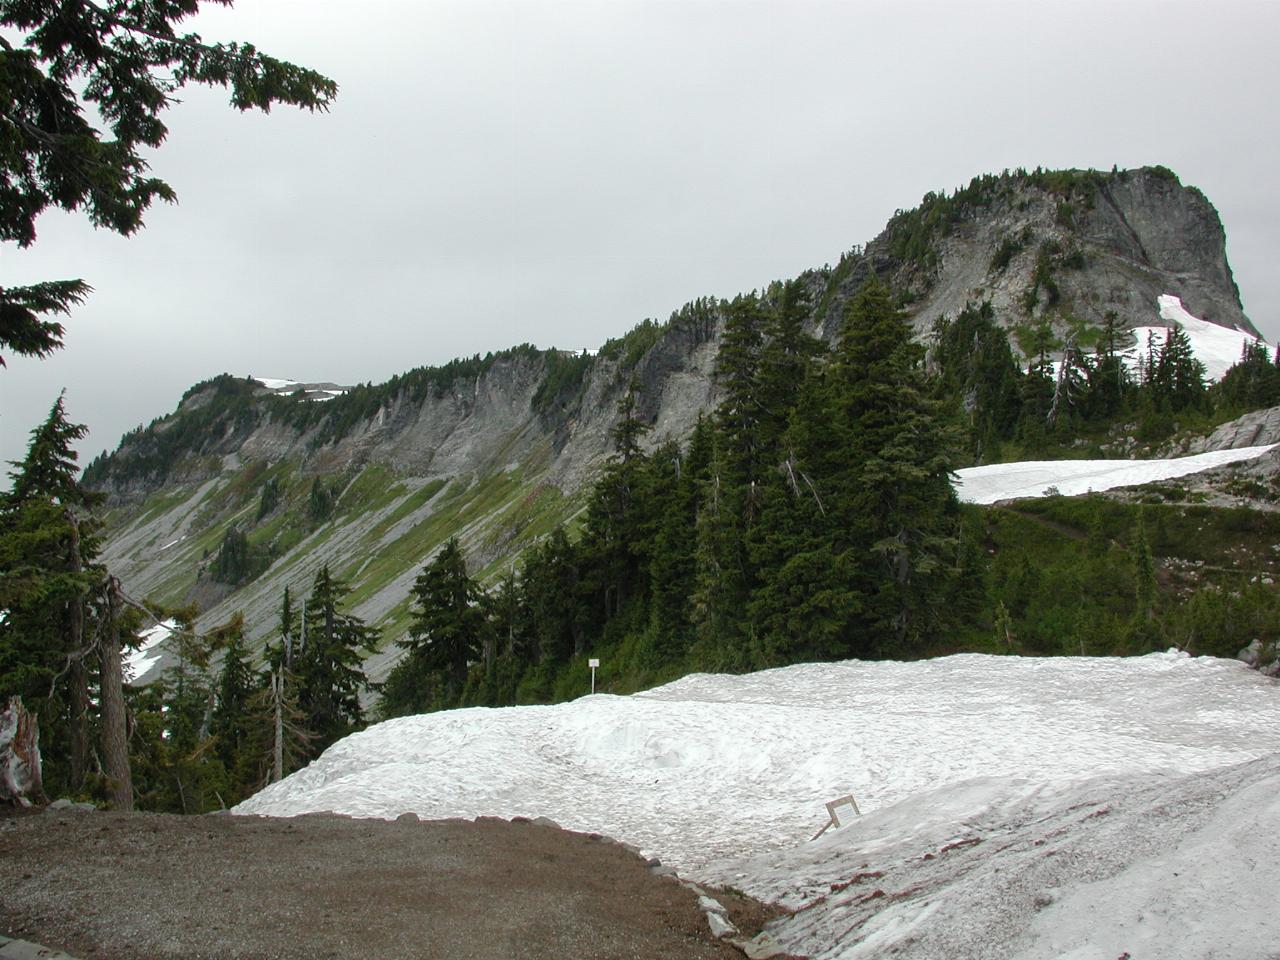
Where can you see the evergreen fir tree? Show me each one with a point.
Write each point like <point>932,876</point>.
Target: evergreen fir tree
<point>48,572</point>
<point>803,599</point>
<point>1071,379</point>
<point>331,664</point>
<point>617,537</point>
<point>552,587</point>
<point>236,683</point>
<point>1144,576</point>
<point>671,569</point>
<point>1109,384</point>
<point>721,586</point>
<point>787,358</point>
<point>1143,633</point>
<point>1175,378</point>
<point>738,372</point>
<point>1253,382</point>
<point>895,495</point>
<point>446,634</point>
<point>1037,342</point>
<point>732,497</point>
<point>972,361</point>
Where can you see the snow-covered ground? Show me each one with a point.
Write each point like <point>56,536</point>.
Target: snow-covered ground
<point>313,391</point>
<point>275,383</point>
<point>1218,348</point>
<point>1042,478</point>
<point>977,777</point>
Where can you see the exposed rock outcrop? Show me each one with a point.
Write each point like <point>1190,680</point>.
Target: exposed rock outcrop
<point>1255,429</point>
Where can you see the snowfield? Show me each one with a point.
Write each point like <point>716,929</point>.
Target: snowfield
<point>1011,807</point>
<point>1217,347</point>
<point>1042,478</point>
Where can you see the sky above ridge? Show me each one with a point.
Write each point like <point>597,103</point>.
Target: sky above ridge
<point>555,172</point>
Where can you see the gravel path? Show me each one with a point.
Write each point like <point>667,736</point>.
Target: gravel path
<point>161,887</point>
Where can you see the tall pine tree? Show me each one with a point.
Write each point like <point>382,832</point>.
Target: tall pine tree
<point>331,662</point>
<point>894,495</point>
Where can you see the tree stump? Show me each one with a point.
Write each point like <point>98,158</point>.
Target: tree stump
<point>20,779</point>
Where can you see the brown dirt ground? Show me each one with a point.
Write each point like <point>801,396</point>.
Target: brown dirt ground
<point>161,887</point>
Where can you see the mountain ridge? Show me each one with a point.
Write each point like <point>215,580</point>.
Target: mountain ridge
<point>499,449</point>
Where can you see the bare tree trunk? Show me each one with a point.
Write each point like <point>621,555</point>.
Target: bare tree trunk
<point>277,694</point>
<point>78,677</point>
<point>79,680</point>
<point>115,744</point>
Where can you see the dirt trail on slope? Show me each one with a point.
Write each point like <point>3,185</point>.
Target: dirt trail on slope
<point>162,887</point>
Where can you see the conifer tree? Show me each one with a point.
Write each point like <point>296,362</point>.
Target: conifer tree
<point>1251,383</point>
<point>280,740</point>
<point>895,494</point>
<point>1070,382</point>
<point>551,583</point>
<point>1143,633</point>
<point>721,586</point>
<point>732,497</point>
<point>804,601</point>
<point>283,651</point>
<point>84,88</point>
<point>1178,377</point>
<point>787,358</point>
<point>738,374</point>
<point>331,666</point>
<point>236,683</point>
<point>447,632</point>
<point>671,569</point>
<point>1109,383</point>
<point>1144,576</point>
<point>1037,342</point>
<point>617,537</point>
<point>48,572</point>
<point>801,600</point>
<point>972,361</point>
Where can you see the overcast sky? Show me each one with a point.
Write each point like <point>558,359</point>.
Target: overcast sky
<point>494,173</point>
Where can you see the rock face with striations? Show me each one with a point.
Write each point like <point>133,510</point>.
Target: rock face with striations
<point>498,450</point>
<point>1058,245</point>
<point>1255,429</point>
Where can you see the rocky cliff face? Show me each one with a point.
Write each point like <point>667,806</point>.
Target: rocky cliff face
<point>498,451</point>
<point>1053,246</point>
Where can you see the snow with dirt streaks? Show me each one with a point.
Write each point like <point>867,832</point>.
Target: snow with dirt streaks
<point>960,764</point>
<point>1043,478</point>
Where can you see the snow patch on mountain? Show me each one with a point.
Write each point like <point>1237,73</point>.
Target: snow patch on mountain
<point>1217,347</point>
<point>308,391</point>
<point>1043,478</point>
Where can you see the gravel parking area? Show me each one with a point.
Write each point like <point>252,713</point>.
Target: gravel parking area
<point>160,887</point>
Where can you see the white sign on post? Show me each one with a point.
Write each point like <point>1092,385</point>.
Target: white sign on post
<point>832,807</point>
<point>593,663</point>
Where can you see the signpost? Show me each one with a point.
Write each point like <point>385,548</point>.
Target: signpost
<point>593,663</point>
<point>845,801</point>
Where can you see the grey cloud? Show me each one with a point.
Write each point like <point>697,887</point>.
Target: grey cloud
<point>555,172</point>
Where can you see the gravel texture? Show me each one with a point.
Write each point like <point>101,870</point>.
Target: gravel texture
<point>160,887</point>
